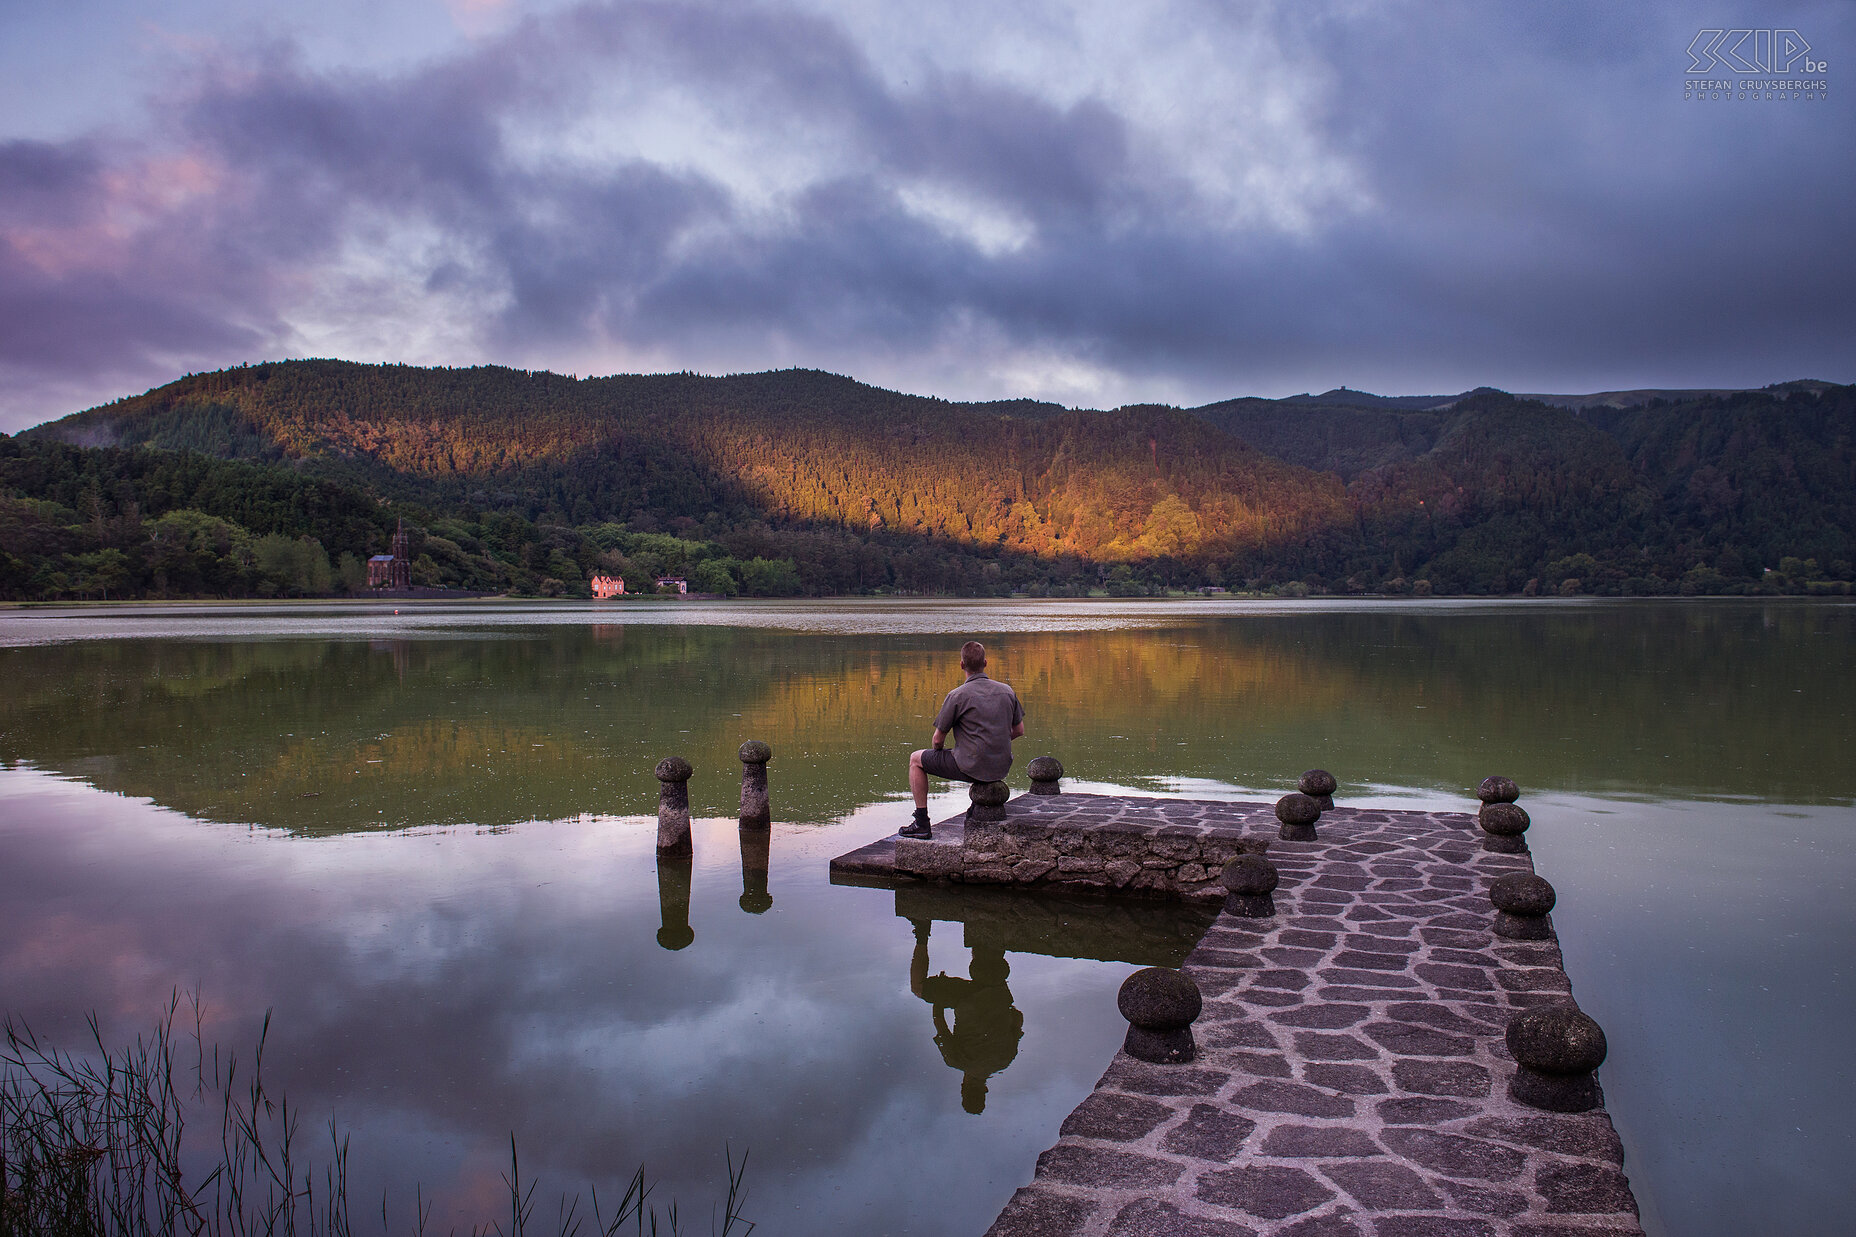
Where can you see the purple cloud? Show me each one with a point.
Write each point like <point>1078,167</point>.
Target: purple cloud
<point>1424,201</point>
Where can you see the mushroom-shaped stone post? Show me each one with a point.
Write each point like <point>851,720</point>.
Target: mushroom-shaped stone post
<point>1503,825</point>
<point>1522,901</point>
<point>1046,776</point>
<point>673,806</point>
<point>755,848</point>
<point>1319,785</point>
<point>1249,881</point>
<point>1160,1006</point>
<point>1498,790</point>
<point>1298,813</point>
<point>756,809</point>
<point>988,802</point>
<point>1556,1048</point>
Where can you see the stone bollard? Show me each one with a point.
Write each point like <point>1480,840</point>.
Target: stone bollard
<point>1298,813</point>
<point>1502,827</point>
<point>1319,785</point>
<point>1046,776</point>
<point>756,810</point>
<point>755,847</point>
<point>1522,901</point>
<point>673,806</point>
<point>1555,1049</point>
<point>988,802</point>
<point>673,901</point>
<point>1249,880</point>
<point>1160,1006</point>
<point>1498,790</point>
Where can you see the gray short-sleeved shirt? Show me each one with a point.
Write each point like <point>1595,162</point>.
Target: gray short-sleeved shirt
<point>979,716</point>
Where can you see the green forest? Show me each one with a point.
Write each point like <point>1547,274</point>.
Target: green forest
<point>279,480</point>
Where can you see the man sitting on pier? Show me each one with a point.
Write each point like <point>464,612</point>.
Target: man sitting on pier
<point>982,716</point>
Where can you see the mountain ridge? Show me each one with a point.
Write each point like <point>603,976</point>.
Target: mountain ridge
<point>1345,491</point>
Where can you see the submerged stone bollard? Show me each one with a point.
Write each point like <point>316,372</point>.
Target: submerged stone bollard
<point>1319,785</point>
<point>1160,1006</point>
<point>1249,881</point>
<point>756,809</point>
<point>1521,904</point>
<point>673,806</point>
<point>755,847</point>
<point>988,802</point>
<point>1498,790</point>
<point>1046,776</point>
<point>1555,1049</point>
<point>1298,813</point>
<point>1502,827</point>
<point>673,901</point>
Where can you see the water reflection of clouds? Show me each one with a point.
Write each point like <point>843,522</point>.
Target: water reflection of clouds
<point>453,986</point>
<point>1685,765</point>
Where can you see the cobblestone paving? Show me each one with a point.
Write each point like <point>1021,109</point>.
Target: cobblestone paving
<point>1161,847</point>
<point>1351,1078</point>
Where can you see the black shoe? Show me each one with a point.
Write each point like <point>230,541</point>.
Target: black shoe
<point>916,828</point>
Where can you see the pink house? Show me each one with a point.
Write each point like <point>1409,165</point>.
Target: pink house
<point>606,587</point>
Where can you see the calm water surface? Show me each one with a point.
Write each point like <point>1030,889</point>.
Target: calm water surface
<point>424,839</point>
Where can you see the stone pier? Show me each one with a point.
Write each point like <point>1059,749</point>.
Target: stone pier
<point>1163,848</point>
<point>1351,1077</point>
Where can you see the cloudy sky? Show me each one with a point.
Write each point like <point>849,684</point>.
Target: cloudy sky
<point>1095,203</point>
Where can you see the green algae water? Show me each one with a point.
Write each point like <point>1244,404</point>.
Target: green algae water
<point>424,839</point>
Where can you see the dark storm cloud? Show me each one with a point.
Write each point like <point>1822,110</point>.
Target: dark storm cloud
<point>1534,205</point>
<point>1551,200</point>
<point>38,180</point>
<point>60,312</point>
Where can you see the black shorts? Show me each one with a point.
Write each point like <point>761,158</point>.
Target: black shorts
<point>941,763</point>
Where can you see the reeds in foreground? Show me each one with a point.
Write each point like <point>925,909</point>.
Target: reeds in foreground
<point>99,1145</point>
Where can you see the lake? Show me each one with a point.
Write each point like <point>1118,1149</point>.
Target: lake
<point>424,838</point>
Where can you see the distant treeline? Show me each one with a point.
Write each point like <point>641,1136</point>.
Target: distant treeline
<point>280,480</point>
<point>103,522</point>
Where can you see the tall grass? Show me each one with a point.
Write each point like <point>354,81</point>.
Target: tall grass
<point>107,1143</point>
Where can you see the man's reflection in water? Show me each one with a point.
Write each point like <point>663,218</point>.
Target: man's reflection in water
<point>983,1038</point>
<point>673,900</point>
<point>755,845</point>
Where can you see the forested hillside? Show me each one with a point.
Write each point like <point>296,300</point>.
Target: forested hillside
<point>796,446</point>
<point>280,479</point>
